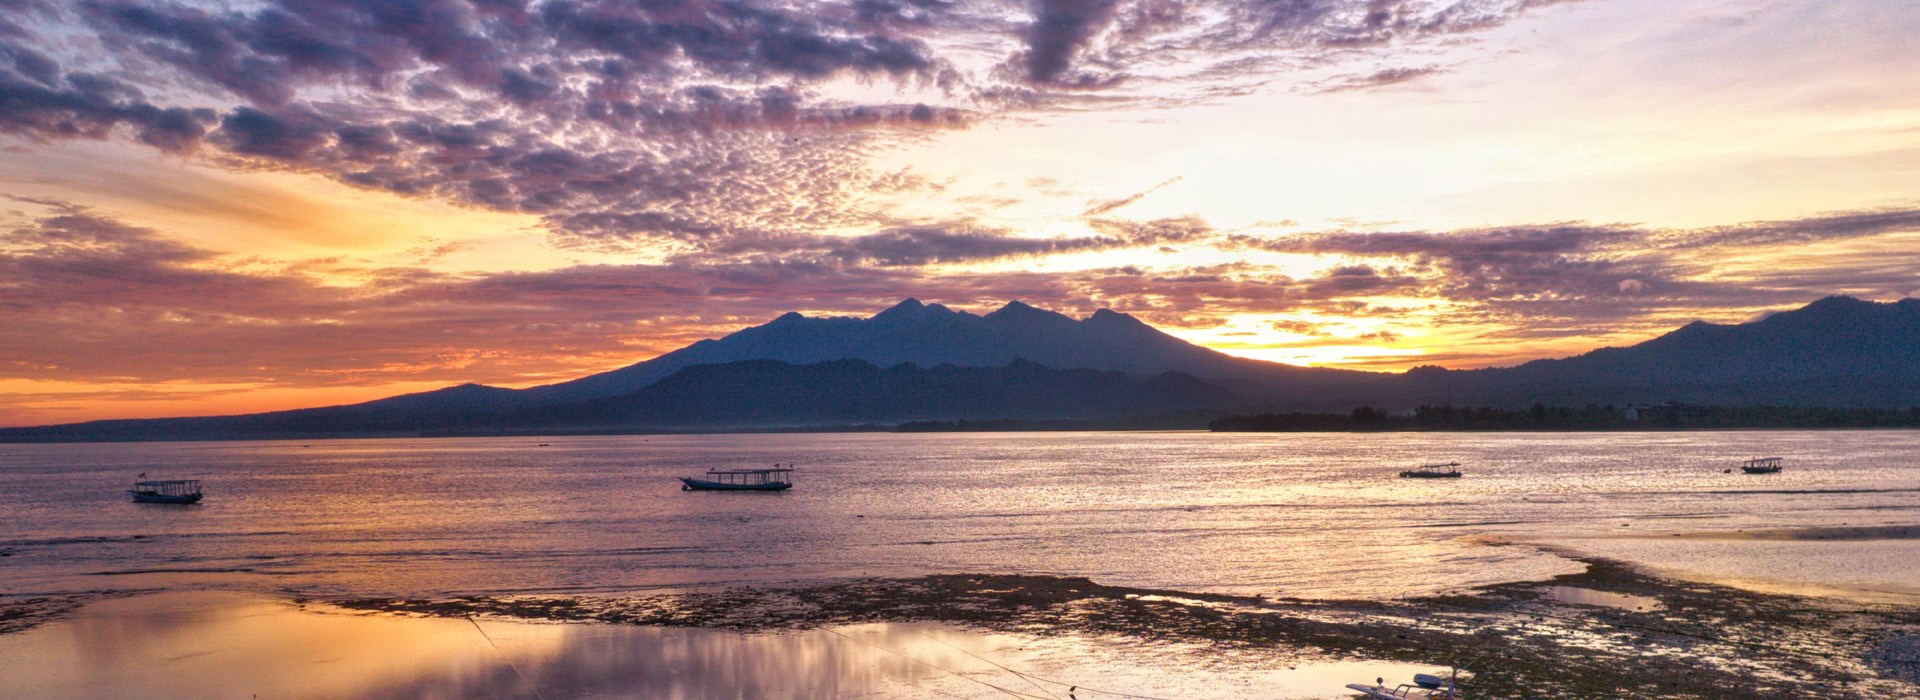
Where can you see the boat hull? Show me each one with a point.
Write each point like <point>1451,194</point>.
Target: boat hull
<point>1429,475</point>
<point>703,485</point>
<point>1760,470</point>
<point>139,497</point>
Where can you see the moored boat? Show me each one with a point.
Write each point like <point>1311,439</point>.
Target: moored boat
<point>775,479</point>
<point>1449,470</point>
<point>1763,465</point>
<point>181,491</point>
<point>1403,692</point>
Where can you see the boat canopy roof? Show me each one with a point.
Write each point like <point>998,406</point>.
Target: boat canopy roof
<point>748,471</point>
<point>1763,461</point>
<point>1442,465</point>
<point>170,482</point>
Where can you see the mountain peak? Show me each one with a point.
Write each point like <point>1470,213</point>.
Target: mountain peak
<point>908,308</point>
<point>1111,317</point>
<point>1836,304</point>
<point>907,305</point>
<point>1021,313</point>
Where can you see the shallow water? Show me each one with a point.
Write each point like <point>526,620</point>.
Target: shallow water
<point>212,644</point>
<point>1305,515</point>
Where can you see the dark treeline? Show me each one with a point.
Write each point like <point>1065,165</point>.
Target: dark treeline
<point>1186,420</point>
<point>1589,417</point>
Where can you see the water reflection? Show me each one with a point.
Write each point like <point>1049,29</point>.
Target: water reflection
<point>1296,515</point>
<point>1606,599</point>
<point>208,644</point>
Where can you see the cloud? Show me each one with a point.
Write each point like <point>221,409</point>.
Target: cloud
<point>39,101</point>
<point>1060,29</point>
<point>1588,276</point>
<point>1106,207</point>
<point>951,242</point>
<point>1378,79</point>
<point>622,123</point>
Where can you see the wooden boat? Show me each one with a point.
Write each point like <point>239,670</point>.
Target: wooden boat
<point>1449,470</point>
<point>775,479</point>
<point>1763,465</point>
<point>174,491</point>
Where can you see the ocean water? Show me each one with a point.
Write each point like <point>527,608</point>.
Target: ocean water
<point>1300,515</point>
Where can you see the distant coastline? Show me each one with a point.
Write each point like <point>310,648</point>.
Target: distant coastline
<point>1541,417</point>
<point>1538,418</point>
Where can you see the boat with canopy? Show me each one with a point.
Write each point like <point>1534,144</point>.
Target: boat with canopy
<point>1448,470</point>
<point>180,491</point>
<point>777,478</point>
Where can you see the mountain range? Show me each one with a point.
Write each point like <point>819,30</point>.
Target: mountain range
<point>918,361</point>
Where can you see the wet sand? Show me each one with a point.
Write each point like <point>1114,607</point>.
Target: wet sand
<point>1812,534</point>
<point>200,644</point>
<point>1611,631</point>
<point>1638,636</point>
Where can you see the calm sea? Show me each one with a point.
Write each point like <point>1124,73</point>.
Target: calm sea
<point>1304,515</point>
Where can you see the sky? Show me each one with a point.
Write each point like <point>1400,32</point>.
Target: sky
<point>225,207</point>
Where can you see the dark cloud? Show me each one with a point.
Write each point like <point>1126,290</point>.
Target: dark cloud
<point>1558,280</point>
<point>1060,29</point>
<point>41,102</point>
<point>1811,229</point>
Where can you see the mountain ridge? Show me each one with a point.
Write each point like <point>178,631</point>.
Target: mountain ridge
<point>1836,352</point>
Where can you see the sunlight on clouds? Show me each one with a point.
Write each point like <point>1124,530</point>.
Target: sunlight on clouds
<point>277,215</point>
<point>34,402</point>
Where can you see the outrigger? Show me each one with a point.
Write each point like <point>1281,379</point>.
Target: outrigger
<point>180,491</point>
<point>1424,687</point>
<point>776,479</point>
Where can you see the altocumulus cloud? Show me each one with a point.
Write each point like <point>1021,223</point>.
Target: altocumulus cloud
<point>621,122</point>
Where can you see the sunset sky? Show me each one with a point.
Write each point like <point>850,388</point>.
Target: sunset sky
<point>221,207</point>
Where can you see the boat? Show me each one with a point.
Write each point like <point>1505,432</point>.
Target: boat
<point>174,491</point>
<point>1449,470</point>
<point>1763,465</point>
<point>777,478</point>
<point>1404,691</point>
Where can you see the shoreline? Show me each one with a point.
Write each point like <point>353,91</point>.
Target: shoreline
<point>1611,629</point>
<point>903,429</point>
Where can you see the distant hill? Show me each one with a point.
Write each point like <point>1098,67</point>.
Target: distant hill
<point>749,393</point>
<point>1837,352</point>
<point>919,362</point>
